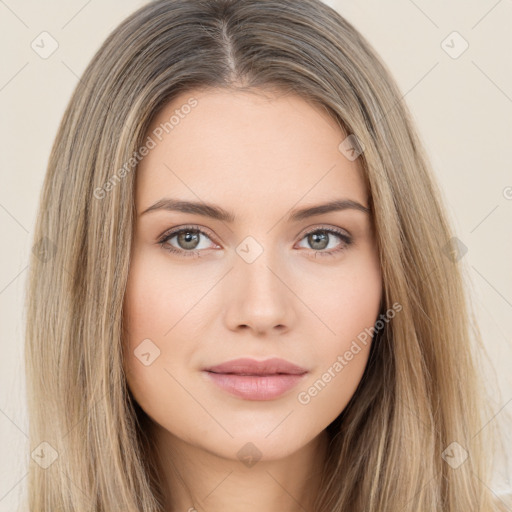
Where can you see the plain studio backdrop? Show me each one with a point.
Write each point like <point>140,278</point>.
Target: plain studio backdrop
<point>452,63</point>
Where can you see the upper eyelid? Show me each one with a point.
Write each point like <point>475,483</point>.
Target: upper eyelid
<point>325,228</point>
<point>174,231</point>
<point>204,231</point>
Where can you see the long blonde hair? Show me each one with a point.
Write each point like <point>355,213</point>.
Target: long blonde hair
<point>420,391</point>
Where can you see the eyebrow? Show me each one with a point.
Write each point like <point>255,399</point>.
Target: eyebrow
<point>218,213</point>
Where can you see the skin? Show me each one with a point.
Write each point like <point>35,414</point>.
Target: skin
<point>258,155</point>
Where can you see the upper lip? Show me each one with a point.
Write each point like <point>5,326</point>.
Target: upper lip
<point>246,366</point>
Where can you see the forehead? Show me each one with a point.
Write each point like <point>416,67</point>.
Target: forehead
<point>255,147</point>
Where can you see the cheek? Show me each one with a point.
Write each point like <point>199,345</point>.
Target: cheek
<point>145,323</point>
<point>348,306</point>
<point>155,315</point>
<point>152,306</point>
<point>141,307</point>
<point>347,301</point>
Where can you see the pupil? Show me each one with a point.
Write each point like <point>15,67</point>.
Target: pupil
<point>189,237</point>
<point>321,238</point>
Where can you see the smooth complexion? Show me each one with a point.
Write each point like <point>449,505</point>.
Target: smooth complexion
<point>261,157</point>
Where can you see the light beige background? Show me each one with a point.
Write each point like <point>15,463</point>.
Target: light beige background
<point>462,106</point>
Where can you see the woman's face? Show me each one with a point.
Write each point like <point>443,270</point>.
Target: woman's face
<point>248,267</point>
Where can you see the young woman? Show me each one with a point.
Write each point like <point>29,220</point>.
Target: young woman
<point>245,292</point>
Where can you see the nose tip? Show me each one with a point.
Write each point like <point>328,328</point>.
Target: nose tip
<point>258,299</point>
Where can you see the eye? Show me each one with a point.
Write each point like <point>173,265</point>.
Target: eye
<point>188,241</point>
<point>319,239</point>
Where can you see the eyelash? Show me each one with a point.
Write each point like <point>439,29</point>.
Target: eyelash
<point>347,241</point>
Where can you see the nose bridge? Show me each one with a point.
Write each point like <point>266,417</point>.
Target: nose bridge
<point>259,299</point>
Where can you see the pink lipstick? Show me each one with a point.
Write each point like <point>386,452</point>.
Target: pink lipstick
<point>256,380</point>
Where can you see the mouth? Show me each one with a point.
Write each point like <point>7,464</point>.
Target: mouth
<point>256,380</point>
<point>247,366</point>
<point>251,374</point>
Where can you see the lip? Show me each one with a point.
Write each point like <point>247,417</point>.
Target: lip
<point>256,380</point>
<point>247,366</point>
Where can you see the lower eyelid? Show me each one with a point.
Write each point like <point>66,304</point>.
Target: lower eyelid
<point>165,240</point>
<point>345,239</point>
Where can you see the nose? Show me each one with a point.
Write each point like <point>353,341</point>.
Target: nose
<point>260,298</point>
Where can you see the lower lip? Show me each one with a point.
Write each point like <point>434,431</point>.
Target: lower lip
<point>255,387</point>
